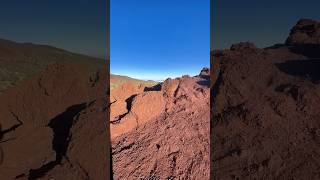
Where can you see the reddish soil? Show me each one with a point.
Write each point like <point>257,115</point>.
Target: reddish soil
<point>53,126</point>
<point>162,132</point>
<point>265,109</point>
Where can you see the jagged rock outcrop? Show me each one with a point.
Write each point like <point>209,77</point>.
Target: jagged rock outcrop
<point>265,110</point>
<point>53,123</point>
<point>306,31</point>
<point>205,72</point>
<point>169,132</point>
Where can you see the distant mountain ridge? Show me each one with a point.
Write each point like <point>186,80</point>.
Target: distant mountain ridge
<point>117,80</point>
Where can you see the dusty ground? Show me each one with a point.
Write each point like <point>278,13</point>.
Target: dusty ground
<point>265,109</point>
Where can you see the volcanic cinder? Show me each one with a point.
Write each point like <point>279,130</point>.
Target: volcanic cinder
<point>265,113</point>
<point>161,132</point>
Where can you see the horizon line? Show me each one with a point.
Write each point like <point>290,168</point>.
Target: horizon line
<point>147,76</point>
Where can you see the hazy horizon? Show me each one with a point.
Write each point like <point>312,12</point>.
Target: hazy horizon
<point>157,77</point>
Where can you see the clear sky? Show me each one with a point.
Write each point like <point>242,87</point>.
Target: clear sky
<point>75,25</point>
<point>156,39</point>
<point>264,22</point>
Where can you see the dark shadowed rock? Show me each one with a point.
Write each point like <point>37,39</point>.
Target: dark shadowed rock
<point>306,31</point>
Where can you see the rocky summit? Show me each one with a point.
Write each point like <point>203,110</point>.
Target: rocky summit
<point>306,31</point>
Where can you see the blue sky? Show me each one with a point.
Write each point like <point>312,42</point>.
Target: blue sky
<point>75,25</point>
<point>156,39</point>
<point>263,22</point>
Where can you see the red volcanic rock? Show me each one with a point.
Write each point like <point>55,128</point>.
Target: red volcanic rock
<point>119,96</point>
<point>147,106</point>
<point>47,123</point>
<point>165,133</point>
<point>117,109</point>
<point>169,87</point>
<point>264,112</point>
<point>29,116</point>
<point>125,91</point>
<point>118,99</point>
<point>306,31</point>
<point>141,108</point>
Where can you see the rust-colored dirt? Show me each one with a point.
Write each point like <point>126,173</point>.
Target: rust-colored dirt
<point>162,132</point>
<point>265,109</point>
